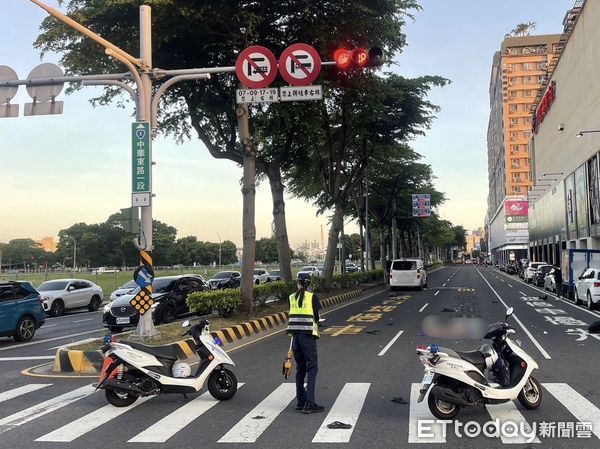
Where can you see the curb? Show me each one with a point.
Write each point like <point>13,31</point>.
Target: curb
<point>90,362</point>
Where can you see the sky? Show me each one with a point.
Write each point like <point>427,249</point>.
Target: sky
<point>76,167</point>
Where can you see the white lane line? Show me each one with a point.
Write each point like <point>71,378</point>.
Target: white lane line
<point>81,321</point>
<point>33,357</point>
<point>389,345</point>
<point>6,348</point>
<point>524,294</point>
<point>436,293</point>
<point>531,337</point>
<point>447,280</point>
<point>430,433</point>
<point>346,409</point>
<point>19,391</point>
<point>509,285</point>
<point>443,285</point>
<point>89,422</point>
<point>46,326</point>
<point>247,430</point>
<point>43,408</point>
<point>580,407</point>
<point>423,308</point>
<point>508,412</point>
<point>164,429</point>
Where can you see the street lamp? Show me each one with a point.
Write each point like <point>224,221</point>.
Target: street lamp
<point>581,133</point>
<point>219,235</point>
<point>74,251</point>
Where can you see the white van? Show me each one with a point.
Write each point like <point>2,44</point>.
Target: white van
<point>408,273</point>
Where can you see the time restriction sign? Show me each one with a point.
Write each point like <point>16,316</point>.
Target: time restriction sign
<point>299,64</point>
<point>256,67</point>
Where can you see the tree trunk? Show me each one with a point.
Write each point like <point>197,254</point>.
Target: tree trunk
<point>283,244</point>
<point>248,210</point>
<point>343,250</point>
<point>371,254</point>
<point>358,205</point>
<point>381,246</point>
<point>334,232</point>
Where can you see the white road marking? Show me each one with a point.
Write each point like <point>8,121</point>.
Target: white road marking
<point>389,345</point>
<point>75,343</point>
<point>43,408</point>
<point>447,280</point>
<point>531,337</point>
<point>423,308</point>
<point>33,357</point>
<point>508,412</point>
<point>89,422</point>
<point>247,430</point>
<point>346,409</point>
<point>81,321</point>
<point>509,285</point>
<point>419,412</point>
<point>46,326</point>
<point>578,405</point>
<point>436,293</point>
<point>443,285</point>
<point>165,428</point>
<point>21,345</point>
<point>16,392</point>
<point>524,294</point>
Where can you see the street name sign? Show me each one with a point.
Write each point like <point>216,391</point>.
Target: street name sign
<point>140,162</point>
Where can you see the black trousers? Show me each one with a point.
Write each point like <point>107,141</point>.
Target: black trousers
<point>305,355</point>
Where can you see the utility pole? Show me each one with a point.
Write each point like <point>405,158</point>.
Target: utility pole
<point>74,252</point>
<point>394,244</point>
<point>219,235</point>
<point>367,219</point>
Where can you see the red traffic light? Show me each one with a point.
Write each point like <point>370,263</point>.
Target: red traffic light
<point>358,58</point>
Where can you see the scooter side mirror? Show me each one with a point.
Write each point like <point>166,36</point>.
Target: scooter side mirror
<point>509,312</point>
<point>186,323</point>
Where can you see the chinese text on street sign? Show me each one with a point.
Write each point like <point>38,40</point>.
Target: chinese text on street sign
<point>141,157</point>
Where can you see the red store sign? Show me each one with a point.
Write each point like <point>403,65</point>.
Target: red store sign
<point>544,107</point>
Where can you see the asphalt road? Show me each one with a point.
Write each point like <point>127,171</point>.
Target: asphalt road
<point>366,359</point>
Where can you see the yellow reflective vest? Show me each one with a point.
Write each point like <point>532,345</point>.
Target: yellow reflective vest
<point>302,319</point>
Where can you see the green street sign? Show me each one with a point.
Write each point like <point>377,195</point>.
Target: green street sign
<point>140,144</point>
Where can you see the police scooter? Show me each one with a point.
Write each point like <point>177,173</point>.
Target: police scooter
<point>457,379</point>
<point>131,370</point>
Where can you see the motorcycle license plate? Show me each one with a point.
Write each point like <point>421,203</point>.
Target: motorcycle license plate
<point>427,379</point>
<point>123,320</point>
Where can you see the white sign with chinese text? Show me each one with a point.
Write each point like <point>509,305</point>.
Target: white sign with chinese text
<point>301,93</point>
<point>267,95</point>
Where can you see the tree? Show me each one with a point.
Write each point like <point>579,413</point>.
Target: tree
<point>266,250</point>
<point>522,29</point>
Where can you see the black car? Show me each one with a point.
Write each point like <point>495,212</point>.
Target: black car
<point>512,268</point>
<point>169,294</point>
<point>225,279</point>
<point>540,275</point>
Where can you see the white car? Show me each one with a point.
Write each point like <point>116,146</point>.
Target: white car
<point>408,273</point>
<point>531,269</point>
<point>309,271</point>
<point>261,276</point>
<point>587,288</point>
<point>62,294</point>
<point>124,289</point>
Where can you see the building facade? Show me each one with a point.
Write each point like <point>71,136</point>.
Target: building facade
<point>519,69</point>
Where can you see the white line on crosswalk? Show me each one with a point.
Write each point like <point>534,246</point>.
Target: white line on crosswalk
<point>423,308</point>
<point>16,392</point>
<point>421,412</point>
<point>346,409</point>
<point>249,429</point>
<point>89,422</point>
<point>43,408</point>
<point>389,345</point>
<point>164,429</point>
<point>508,412</point>
<point>580,407</point>
<point>436,293</point>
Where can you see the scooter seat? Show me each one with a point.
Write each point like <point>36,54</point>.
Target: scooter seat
<point>474,357</point>
<point>169,352</point>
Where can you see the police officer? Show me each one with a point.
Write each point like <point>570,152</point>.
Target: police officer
<point>303,327</point>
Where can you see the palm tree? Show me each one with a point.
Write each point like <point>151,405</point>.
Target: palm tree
<point>522,29</point>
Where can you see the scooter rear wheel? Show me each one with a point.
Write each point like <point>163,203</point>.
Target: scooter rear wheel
<point>531,394</point>
<point>442,409</point>
<point>120,398</point>
<point>222,384</point>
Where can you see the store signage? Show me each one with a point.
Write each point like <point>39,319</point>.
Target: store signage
<point>516,208</point>
<point>544,107</point>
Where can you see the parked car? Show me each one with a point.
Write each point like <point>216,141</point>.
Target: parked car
<point>540,274</point>
<point>550,282</point>
<point>275,275</point>
<point>225,279</point>
<point>530,270</point>
<point>408,273</point>
<point>261,276</point>
<point>351,267</point>
<point>309,271</point>
<point>587,288</point>
<point>21,311</point>
<point>123,290</point>
<point>512,268</point>
<point>170,301</point>
<point>65,294</point>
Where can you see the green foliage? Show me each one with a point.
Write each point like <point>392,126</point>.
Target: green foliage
<point>266,250</point>
<point>223,301</point>
<point>341,282</point>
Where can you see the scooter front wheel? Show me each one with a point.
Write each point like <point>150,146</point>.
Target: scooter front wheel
<point>222,384</point>
<point>531,394</point>
<point>442,409</point>
<point>120,398</point>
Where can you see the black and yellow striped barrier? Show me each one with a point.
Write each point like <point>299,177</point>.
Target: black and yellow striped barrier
<point>86,362</point>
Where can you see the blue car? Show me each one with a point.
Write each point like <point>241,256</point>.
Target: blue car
<point>21,310</point>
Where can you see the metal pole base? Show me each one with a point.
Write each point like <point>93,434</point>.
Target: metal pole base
<point>145,327</point>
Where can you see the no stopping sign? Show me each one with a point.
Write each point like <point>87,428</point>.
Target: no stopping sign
<point>256,67</point>
<point>299,64</point>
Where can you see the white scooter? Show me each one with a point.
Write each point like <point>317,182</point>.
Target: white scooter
<point>131,370</point>
<point>458,378</point>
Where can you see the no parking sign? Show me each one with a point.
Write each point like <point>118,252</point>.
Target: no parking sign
<point>299,64</point>
<point>256,67</point>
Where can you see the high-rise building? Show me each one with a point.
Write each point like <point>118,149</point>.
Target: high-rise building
<point>519,69</point>
<point>48,244</point>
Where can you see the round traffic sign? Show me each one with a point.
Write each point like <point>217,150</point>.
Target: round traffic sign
<point>48,92</point>
<point>256,67</point>
<point>299,64</point>
<point>7,93</point>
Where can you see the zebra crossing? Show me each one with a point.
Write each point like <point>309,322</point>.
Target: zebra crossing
<point>347,408</point>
